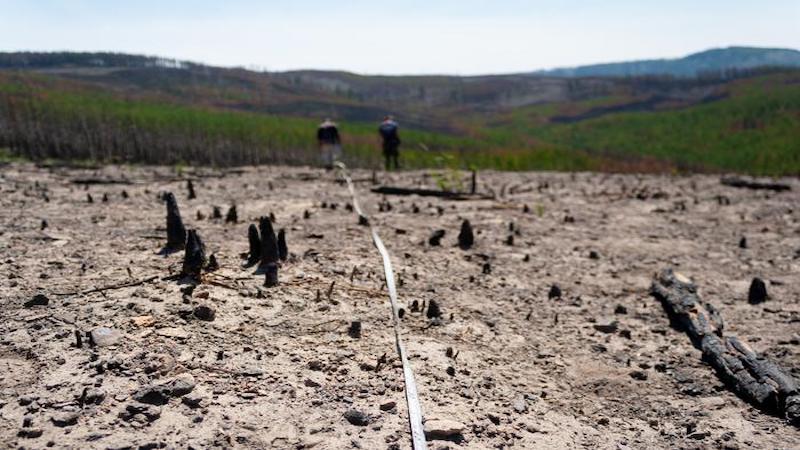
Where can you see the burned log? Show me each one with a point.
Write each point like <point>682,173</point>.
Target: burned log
<point>283,250</point>
<point>232,216</point>
<point>254,255</point>
<point>751,376</point>
<point>176,233</point>
<point>393,190</point>
<point>752,184</point>
<point>194,258</point>
<point>466,238</point>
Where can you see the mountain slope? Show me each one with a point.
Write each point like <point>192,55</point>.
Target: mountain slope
<point>697,64</point>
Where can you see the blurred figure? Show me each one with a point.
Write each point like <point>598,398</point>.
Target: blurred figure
<point>391,141</point>
<point>330,145</point>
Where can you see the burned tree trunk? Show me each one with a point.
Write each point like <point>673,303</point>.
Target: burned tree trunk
<point>194,258</point>
<point>754,378</point>
<point>255,245</point>
<point>283,250</point>
<point>751,184</point>
<point>232,216</point>
<point>269,243</point>
<point>190,187</point>
<point>466,238</point>
<point>176,233</point>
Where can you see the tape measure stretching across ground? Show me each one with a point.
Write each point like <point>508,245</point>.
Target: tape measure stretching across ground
<point>412,398</point>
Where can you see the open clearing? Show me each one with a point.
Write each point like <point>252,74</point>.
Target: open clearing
<point>276,367</point>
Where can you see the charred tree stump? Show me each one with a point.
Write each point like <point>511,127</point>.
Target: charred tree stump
<point>758,292</point>
<point>194,258</point>
<point>271,275</point>
<point>232,216</point>
<point>751,376</point>
<point>283,250</point>
<point>216,213</point>
<point>254,255</point>
<point>473,183</point>
<point>466,238</point>
<point>269,252</point>
<point>190,187</point>
<point>176,233</point>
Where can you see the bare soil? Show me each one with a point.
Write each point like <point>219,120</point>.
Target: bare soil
<point>276,368</point>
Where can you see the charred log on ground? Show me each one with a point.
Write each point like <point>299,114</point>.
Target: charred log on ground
<point>751,376</point>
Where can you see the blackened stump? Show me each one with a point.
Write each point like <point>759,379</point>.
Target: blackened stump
<point>270,274</point>
<point>190,187</point>
<point>433,310</point>
<point>194,258</point>
<point>213,264</point>
<point>758,292</point>
<point>255,245</point>
<point>283,250</point>
<point>217,213</point>
<point>269,243</point>
<point>355,329</point>
<point>466,239</point>
<point>436,238</point>
<point>232,216</point>
<point>555,292</point>
<point>176,233</point>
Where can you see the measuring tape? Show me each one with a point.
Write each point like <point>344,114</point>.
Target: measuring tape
<point>412,398</point>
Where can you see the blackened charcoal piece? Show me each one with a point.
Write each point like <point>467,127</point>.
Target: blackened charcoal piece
<point>89,198</point>
<point>743,242</point>
<point>510,240</point>
<point>190,187</point>
<point>217,213</point>
<point>255,245</point>
<point>194,258</point>
<point>176,233</point>
<point>232,216</point>
<point>271,274</point>
<point>363,221</point>
<point>213,264</point>
<point>758,292</point>
<point>355,329</point>
<point>200,215</point>
<point>105,198</point>
<point>555,292</point>
<point>306,215</point>
<point>433,310</point>
<point>44,225</point>
<point>125,194</point>
<point>283,250</point>
<point>436,238</point>
<point>466,239</point>
<point>487,268</point>
<point>269,243</point>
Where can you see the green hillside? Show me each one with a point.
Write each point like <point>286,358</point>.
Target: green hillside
<point>146,112</point>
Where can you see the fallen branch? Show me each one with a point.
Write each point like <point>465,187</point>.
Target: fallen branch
<point>392,190</point>
<point>109,288</point>
<point>752,184</point>
<point>754,378</point>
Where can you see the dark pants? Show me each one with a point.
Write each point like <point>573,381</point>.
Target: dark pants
<point>391,153</point>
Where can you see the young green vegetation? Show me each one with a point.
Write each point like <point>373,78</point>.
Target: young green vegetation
<point>753,128</point>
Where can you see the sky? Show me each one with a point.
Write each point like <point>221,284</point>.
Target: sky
<point>460,37</point>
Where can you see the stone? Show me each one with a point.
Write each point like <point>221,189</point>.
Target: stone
<point>93,396</point>
<point>159,394</point>
<point>358,418</point>
<point>519,404</point>
<point>607,326</point>
<point>37,300</point>
<point>639,375</point>
<point>388,406</point>
<point>443,429</point>
<point>192,400</point>
<point>104,337</point>
<point>555,292</point>
<point>30,433</point>
<point>620,309</point>
<point>148,412</point>
<point>173,332</point>
<point>65,419</point>
<point>143,321</point>
<point>205,312</point>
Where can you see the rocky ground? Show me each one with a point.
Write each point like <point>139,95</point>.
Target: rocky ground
<point>510,363</point>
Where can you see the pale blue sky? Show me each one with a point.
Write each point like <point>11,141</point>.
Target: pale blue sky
<point>401,37</point>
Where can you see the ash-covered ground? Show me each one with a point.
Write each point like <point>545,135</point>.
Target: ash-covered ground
<point>597,366</point>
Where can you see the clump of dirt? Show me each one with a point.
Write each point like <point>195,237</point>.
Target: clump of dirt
<point>104,345</point>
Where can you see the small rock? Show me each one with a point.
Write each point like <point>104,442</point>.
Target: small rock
<point>519,404</point>
<point>30,433</point>
<point>104,336</point>
<point>620,309</point>
<point>358,418</point>
<point>638,375</point>
<point>594,255</point>
<point>143,321</point>
<point>555,292</point>
<point>93,396</point>
<point>205,312</point>
<point>607,326</point>
<point>699,435</point>
<point>37,300</point>
<point>388,406</point>
<point>173,332</point>
<point>443,429</point>
<point>192,400</point>
<point>135,409</point>
<point>65,419</point>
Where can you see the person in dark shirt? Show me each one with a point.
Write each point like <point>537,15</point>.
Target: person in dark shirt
<point>391,142</point>
<point>330,145</point>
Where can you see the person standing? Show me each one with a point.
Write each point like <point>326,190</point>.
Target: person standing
<point>330,144</point>
<point>391,142</point>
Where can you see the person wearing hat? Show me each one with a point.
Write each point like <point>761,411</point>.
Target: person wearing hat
<point>391,141</point>
<point>330,145</point>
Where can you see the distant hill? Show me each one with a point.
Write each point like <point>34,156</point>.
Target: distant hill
<point>713,61</point>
